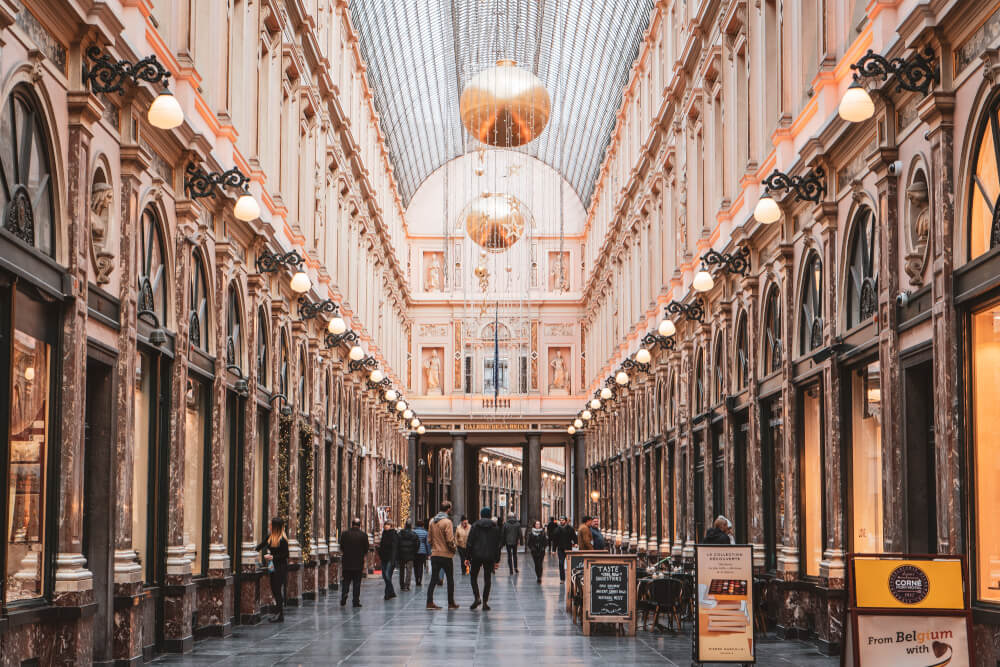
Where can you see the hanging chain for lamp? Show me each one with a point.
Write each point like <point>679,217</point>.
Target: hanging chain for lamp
<point>737,261</point>
<point>915,75</point>
<point>107,75</point>
<point>811,186</point>
<point>200,183</point>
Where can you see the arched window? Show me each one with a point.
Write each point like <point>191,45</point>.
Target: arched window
<point>283,368</point>
<point>742,353</point>
<point>152,296</point>
<point>862,274</point>
<point>198,317</point>
<point>699,382</point>
<point>772,332</point>
<point>25,176</point>
<point>984,195</point>
<point>719,370</point>
<point>234,330</point>
<point>262,355</point>
<point>303,385</point>
<point>811,321</point>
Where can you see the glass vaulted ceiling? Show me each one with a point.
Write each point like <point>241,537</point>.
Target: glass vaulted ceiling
<point>421,53</point>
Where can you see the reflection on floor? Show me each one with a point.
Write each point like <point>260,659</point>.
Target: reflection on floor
<point>526,627</point>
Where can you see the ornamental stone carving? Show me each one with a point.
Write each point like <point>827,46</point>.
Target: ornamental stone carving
<point>918,227</point>
<point>101,198</point>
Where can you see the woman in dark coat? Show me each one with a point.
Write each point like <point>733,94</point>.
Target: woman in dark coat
<point>275,551</point>
<point>537,541</point>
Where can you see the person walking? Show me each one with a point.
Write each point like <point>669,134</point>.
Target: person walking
<point>537,542</point>
<point>388,553</point>
<point>423,552</point>
<point>484,552</point>
<point>274,549</point>
<point>595,533</point>
<point>442,539</point>
<point>407,544</point>
<point>585,538</point>
<point>550,532</point>
<point>565,539</point>
<point>353,549</point>
<point>511,539</point>
<point>461,539</point>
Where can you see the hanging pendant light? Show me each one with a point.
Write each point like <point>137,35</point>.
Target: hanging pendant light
<point>300,282</point>
<point>400,406</point>
<point>407,414</point>
<point>165,112</point>
<point>666,328</point>
<point>578,422</point>
<point>703,281</point>
<point>587,415</point>
<point>356,353</point>
<point>622,378</point>
<point>421,429</point>
<point>643,356</point>
<point>391,395</point>
<point>767,210</point>
<point>571,430</point>
<point>856,106</point>
<point>595,404</point>
<point>246,208</point>
<point>606,393</point>
<point>376,376</point>
<point>337,326</point>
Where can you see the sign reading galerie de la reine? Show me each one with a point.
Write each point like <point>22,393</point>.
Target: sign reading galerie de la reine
<point>907,611</point>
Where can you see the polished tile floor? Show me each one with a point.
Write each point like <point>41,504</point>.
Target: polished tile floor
<point>527,626</point>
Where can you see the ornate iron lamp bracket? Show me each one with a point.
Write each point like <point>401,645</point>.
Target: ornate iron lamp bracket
<point>308,310</point>
<point>364,364</point>
<point>333,340</point>
<point>694,311</point>
<point>199,183</point>
<point>107,75</point>
<point>737,261</point>
<point>916,74</point>
<point>811,186</point>
<point>268,262</point>
<point>665,342</point>
<point>633,365</point>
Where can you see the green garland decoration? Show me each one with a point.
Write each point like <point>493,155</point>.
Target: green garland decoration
<point>404,497</point>
<point>306,471</point>
<point>284,467</point>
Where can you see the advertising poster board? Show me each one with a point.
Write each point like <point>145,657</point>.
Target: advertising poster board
<point>907,610</point>
<point>724,584</point>
<point>609,591</point>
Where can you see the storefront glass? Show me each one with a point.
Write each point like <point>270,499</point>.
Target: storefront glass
<point>144,396</point>
<point>866,460</point>
<point>29,438</point>
<point>986,449</point>
<point>812,480</point>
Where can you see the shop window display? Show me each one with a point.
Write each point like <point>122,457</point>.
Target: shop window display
<point>986,449</point>
<point>866,459</point>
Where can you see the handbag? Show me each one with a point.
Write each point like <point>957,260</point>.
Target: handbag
<point>270,566</point>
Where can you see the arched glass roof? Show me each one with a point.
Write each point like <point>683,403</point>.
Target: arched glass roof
<point>421,54</point>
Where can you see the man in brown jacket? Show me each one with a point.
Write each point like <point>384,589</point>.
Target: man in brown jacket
<point>584,538</point>
<point>441,535</point>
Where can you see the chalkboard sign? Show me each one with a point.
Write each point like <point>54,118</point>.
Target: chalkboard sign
<point>574,563</point>
<point>609,591</point>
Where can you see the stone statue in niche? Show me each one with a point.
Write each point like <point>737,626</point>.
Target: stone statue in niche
<point>558,279</point>
<point>919,231</point>
<point>435,274</point>
<point>101,197</point>
<point>432,374</point>
<point>558,375</point>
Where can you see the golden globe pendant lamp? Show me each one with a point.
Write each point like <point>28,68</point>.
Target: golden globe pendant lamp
<point>505,106</point>
<point>421,429</point>
<point>703,281</point>
<point>767,210</point>
<point>495,221</point>
<point>606,393</point>
<point>246,208</point>
<point>165,112</point>
<point>595,404</point>
<point>357,353</point>
<point>300,282</point>
<point>391,395</point>
<point>578,423</point>
<point>337,326</point>
<point>666,328</point>
<point>643,356</point>
<point>407,414</point>
<point>376,376</point>
<point>571,430</point>
<point>622,378</point>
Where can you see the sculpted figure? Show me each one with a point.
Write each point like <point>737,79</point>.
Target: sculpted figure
<point>432,373</point>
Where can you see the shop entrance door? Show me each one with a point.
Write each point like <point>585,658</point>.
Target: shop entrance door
<point>918,425</point>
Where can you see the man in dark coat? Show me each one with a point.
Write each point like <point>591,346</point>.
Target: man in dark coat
<point>483,548</point>
<point>550,532</point>
<point>718,534</point>
<point>407,545</point>
<point>387,554</point>
<point>512,538</point>
<point>565,538</point>
<point>354,548</point>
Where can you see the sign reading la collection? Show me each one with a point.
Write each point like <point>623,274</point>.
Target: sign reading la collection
<point>907,611</point>
<point>725,603</point>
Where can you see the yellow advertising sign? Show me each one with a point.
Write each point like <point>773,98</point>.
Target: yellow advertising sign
<point>908,584</point>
